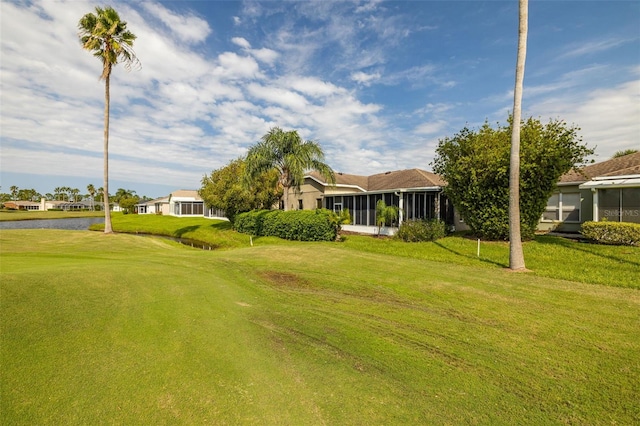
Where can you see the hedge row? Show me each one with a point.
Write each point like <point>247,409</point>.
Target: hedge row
<point>413,231</point>
<point>300,225</point>
<point>618,233</point>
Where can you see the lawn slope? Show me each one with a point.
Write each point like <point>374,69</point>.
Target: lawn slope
<point>122,329</point>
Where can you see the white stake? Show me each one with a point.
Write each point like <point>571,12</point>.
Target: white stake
<point>251,240</point>
<point>478,247</point>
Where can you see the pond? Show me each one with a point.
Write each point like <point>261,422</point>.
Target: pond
<point>76,223</point>
<point>83,223</point>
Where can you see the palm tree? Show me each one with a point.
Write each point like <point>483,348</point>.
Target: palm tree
<point>107,37</point>
<point>14,191</point>
<point>74,192</point>
<point>385,215</point>
<point>287,153</point>
<point>516,255</point>
<point>92,193</point>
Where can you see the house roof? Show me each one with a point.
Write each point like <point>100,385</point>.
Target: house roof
<point>186,193</point>
<point>398,179</point>
<point>620,166</point>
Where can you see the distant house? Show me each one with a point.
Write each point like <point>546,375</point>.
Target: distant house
<point>417,194</point>
<point>609,190</point>
<point>183,203</point>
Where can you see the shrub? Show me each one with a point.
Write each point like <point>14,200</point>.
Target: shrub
<point>421,230</point>
<point>617,233</point>
<point>301,225</point>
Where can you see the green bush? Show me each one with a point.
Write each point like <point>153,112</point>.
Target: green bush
<point>617,233</point>
<point>301,225</point>
<point>250,222</point>
<point>421,230</point>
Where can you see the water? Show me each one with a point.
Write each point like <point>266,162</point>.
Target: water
<point>83,223</point>
<point>76,224</point>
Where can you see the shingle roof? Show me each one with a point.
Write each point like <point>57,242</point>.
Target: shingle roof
<point>620,166</point>
<point>185,193</point>
<point>398,179</point>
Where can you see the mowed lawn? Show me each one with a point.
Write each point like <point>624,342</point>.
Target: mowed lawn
<point>134,330</point>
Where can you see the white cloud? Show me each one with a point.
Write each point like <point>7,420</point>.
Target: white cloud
<point>187,28</point>
<point>364,78</point>
<point>610,118</point>
<point>430,128</point>
<point>592,47</point>
<point>242,42</point>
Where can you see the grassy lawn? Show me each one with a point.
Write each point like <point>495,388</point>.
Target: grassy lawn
<point>30,215</point>
<point>122,329</point>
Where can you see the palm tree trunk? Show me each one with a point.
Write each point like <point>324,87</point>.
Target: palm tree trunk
<point>516,255</point>
<point>107,211</point>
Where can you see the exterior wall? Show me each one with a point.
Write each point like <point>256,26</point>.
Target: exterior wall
<point>309,194</point>
<point>569,226</point>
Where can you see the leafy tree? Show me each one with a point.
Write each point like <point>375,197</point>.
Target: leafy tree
<point>624,152</point>
<point>385,215</point>
<point>516,255</point>
<point>475,165</point>
<point>106,35</point>
<point>287,153</point>
<point>128,204</point>
<point>226,190</point>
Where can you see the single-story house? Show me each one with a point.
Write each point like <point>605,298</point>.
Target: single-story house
<point>609,190</point>
<point>183,203</point>
<point>417,194</point>
<point>44,205</point>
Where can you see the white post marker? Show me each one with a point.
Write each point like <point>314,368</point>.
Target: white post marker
<point>478,247</point>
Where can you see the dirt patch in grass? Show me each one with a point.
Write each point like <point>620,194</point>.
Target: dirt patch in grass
<point>284,279</point>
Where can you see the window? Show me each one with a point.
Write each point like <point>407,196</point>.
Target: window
<point>318,203</point>
<point>300,207</point>
<point>563,207</point>
<point>619,204</point>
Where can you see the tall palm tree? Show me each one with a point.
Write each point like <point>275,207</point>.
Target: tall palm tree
<point>14,191</point>
<point>516,255</point>
<point>104,34</point>
<point>92,193</point>
<point>290,156</point>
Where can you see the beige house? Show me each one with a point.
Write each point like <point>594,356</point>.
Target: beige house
<point>609,190</point>
<point>417,194</point>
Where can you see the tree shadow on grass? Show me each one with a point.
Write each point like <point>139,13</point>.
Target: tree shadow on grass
<point>468,256</point>
<point>221,225</point>
<point>584,247</point>
<point>180,232</point>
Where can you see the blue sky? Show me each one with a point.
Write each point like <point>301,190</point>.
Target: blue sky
<point>377,84</point>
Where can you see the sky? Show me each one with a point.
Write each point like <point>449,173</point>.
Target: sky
<point>376,83</point>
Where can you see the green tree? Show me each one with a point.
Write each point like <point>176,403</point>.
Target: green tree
<point>74,193</point>
<point>122,193</point>
<point>128,203</point>
<point>226,190</point>
<point>292,157</point>
<point>624,152</point>
<point>14,192</point>
<point>106,36</point>
<point>516,255</point>
<point>385,215</point>
<point>92,193</point>
<point>475,165</point>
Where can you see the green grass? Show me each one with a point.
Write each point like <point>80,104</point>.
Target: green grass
<point>31,215</point>
<point>121,329</point>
